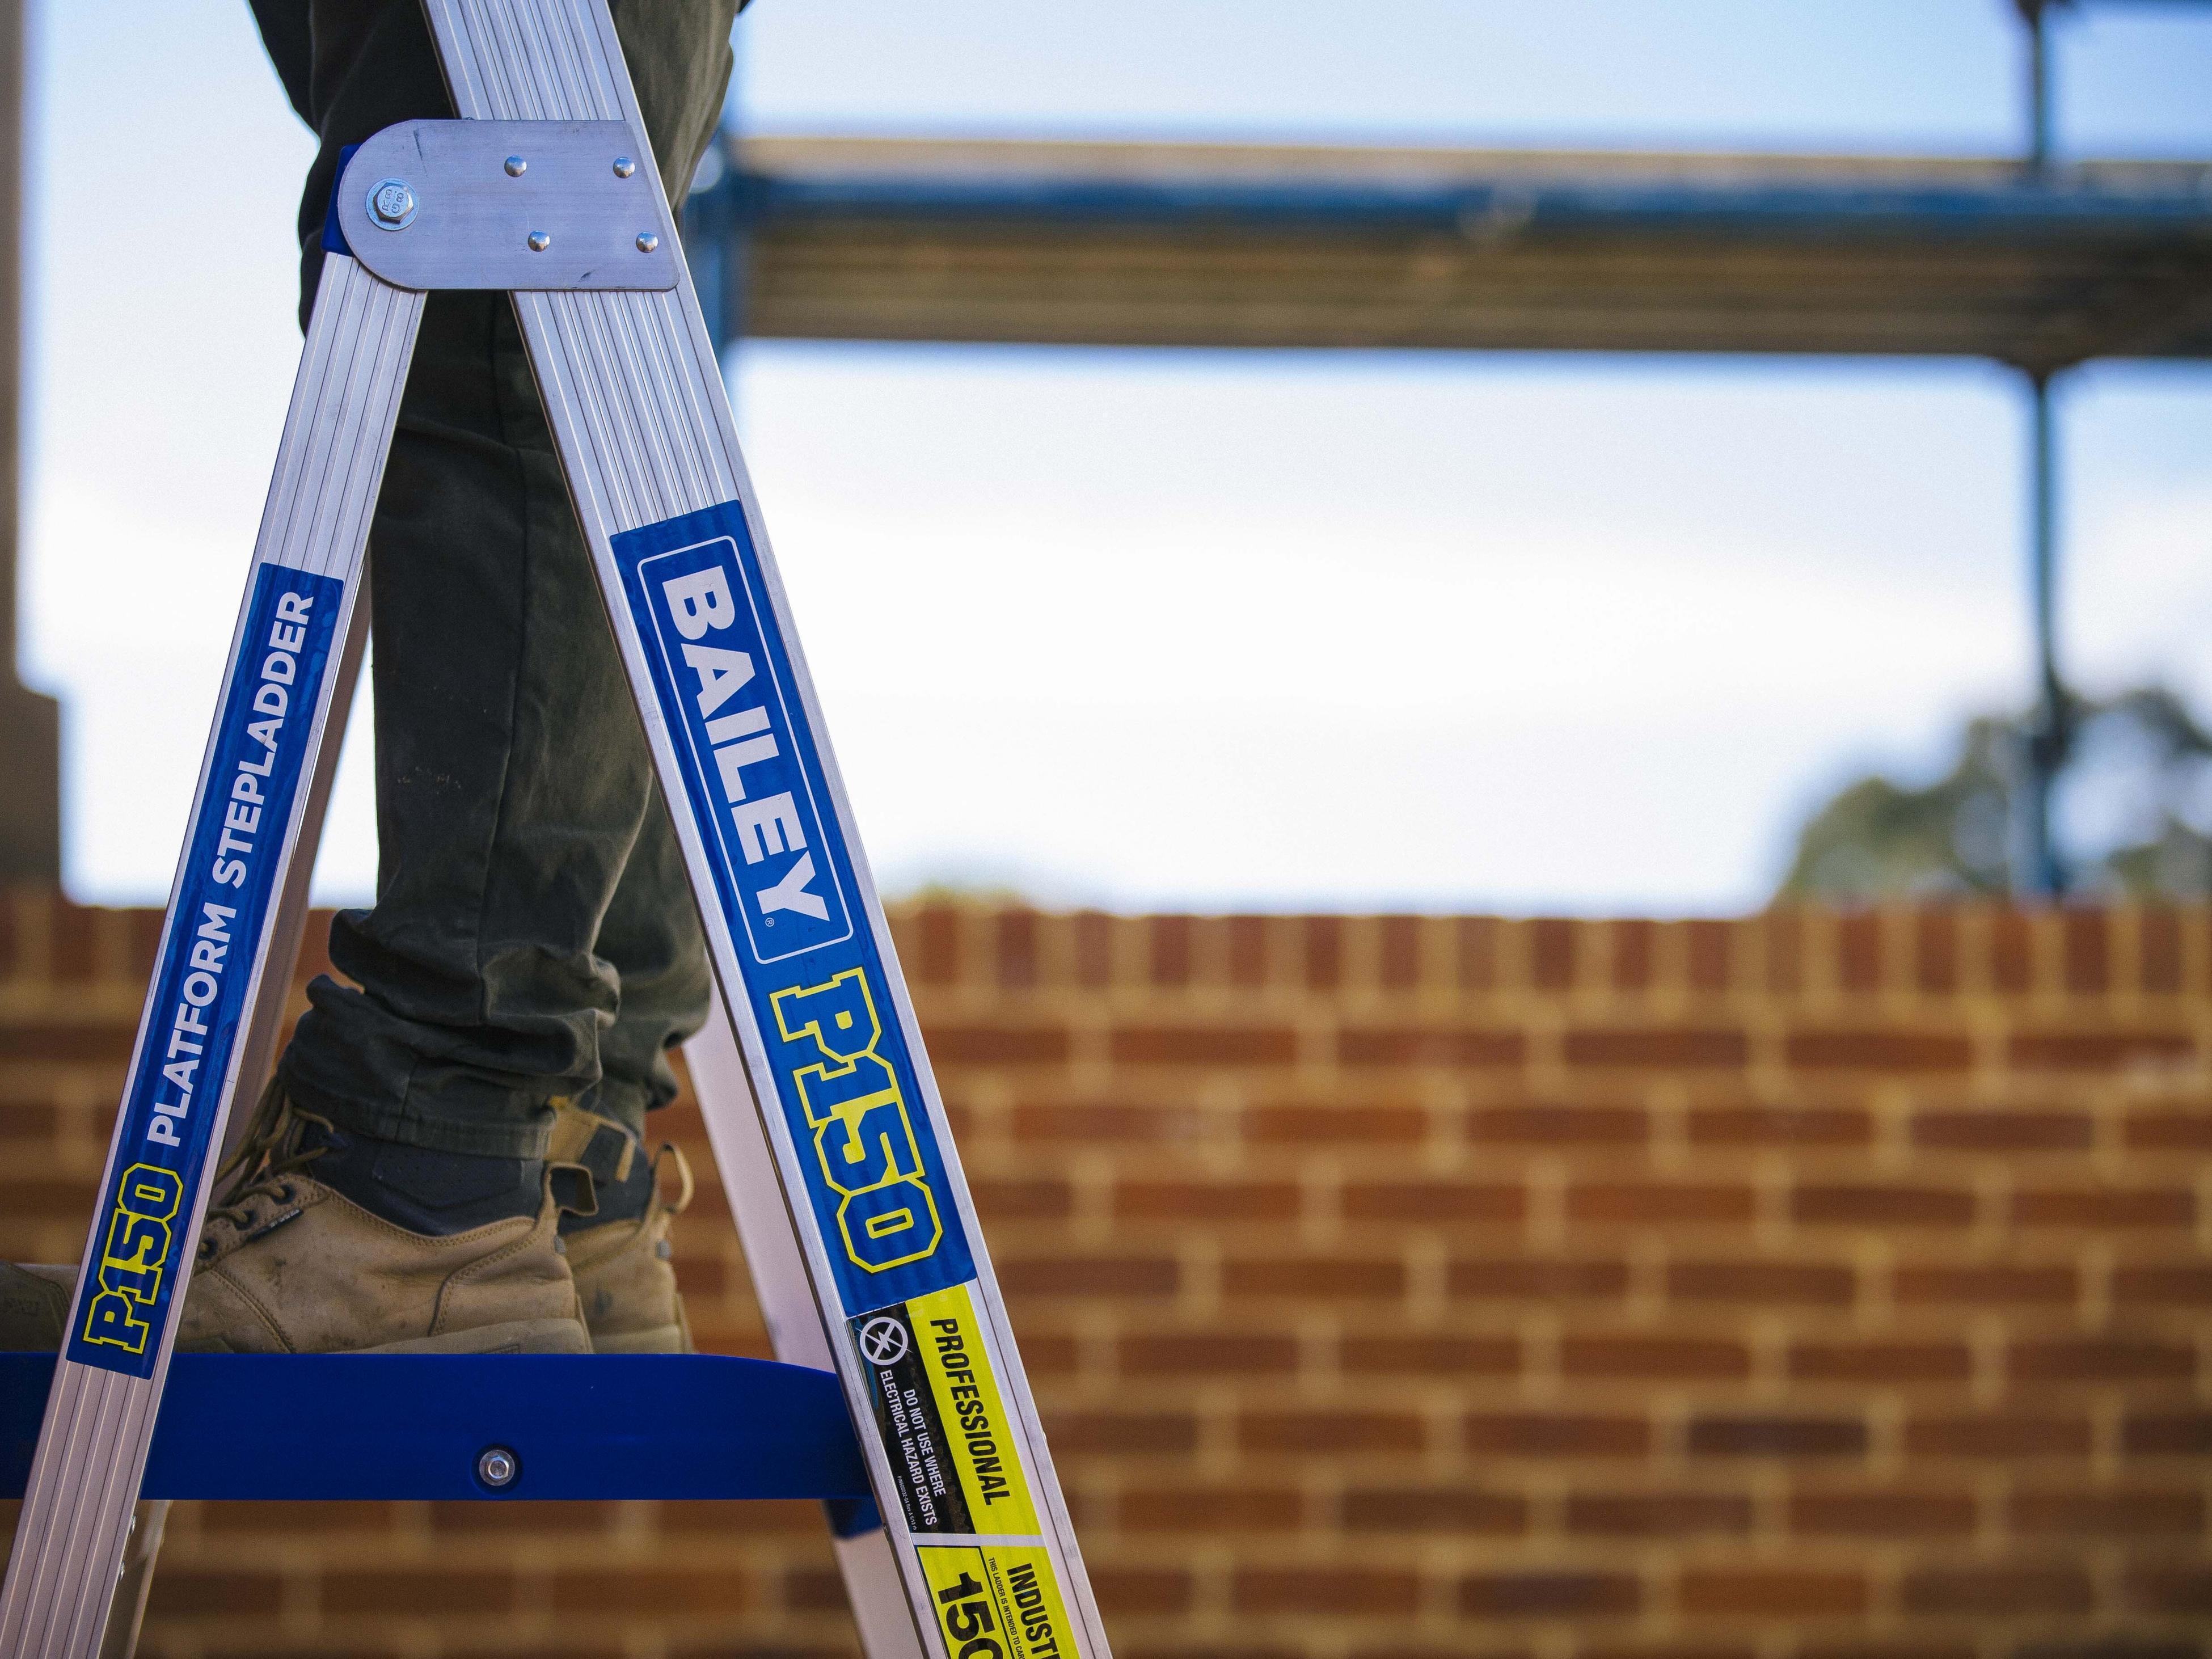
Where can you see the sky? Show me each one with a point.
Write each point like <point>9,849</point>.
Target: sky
<point>1194,630</point>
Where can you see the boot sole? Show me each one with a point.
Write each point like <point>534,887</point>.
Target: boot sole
<point>660,1339</point>
<point>515,1336</point>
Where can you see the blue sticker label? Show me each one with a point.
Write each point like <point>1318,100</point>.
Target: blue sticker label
<point>199,999</point>
<point>784,880</point>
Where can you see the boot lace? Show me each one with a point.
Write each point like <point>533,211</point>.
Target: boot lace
<point>262,1167</point>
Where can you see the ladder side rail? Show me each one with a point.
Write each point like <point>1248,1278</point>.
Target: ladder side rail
<point>73,1527</point>
<point>633,391</point>
<point>774,1258</point>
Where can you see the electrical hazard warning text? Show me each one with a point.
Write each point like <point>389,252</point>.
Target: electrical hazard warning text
<point>954,1451</point>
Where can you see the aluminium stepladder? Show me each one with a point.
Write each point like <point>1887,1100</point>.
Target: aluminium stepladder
<point>828,1128</point>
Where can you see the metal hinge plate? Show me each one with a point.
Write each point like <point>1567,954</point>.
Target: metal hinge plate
<point>507,204</point>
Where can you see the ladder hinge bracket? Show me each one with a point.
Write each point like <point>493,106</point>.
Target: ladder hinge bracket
<point>507,204</point>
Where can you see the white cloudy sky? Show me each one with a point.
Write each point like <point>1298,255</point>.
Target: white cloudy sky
<point>1160,629</point>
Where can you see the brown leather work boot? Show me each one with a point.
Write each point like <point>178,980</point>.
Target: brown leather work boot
<point>34,1304</point>
<point>620,1253</point>
<point>328,1242</point>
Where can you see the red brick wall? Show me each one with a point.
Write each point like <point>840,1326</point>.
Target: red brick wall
<point>1806,1287</point>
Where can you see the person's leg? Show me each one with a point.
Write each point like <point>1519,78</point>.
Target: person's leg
<point>513,947</point>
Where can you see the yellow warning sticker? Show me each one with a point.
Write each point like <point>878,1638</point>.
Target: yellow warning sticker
<point>974,1425</point>
<point>998,1601</point>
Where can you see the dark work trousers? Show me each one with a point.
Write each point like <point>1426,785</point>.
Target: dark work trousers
<point>533,936</point>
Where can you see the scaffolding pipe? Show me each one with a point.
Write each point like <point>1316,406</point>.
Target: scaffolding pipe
<point>2040,872</point>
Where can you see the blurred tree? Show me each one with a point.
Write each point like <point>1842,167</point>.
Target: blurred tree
<point>2132,814</point>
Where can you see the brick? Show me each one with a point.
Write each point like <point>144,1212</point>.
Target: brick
<point>1206,1354</point>
<point>1137,1590</point>
<point>1998,1436</point>
<point>1398,950</point>
<point>647,1591</point>
<point>2100,1360</point>
<point>1090,1276</point>
<point>73,944</point>
<point>1935,952</point>
<point>1430,1356</point>
<point>1551,954</point>
<point>1324,1589</point>
<point>53,1042</point>
<point>1456,1046</point>
<point>1877,1049</point>
<point>1315,1431</point>
<point>1536,1281</point>
<point>1000,1201</point>
<point>1706,945</point>
<point>1207,1201</point>
<point>1632,946</point>
<point>2105,1206</point>
<point>2169,1131</point>
<point>1476,952</point>
<point>1168,939</point>
<point>806,1589</point>
<point>1882,1514</point>
<point>1335,1125</point>
<point>1203,1045</point>
<point>1806,1284</point>
<point>1315,1277</point>
<point>2001,1131</point>
<point>1998,1592</point>
<point>1454,1509</point>
<point>1324,939</point>
<point>462,1519</point>
<point>1658,1514</point>
<point>934,958</point>
<point>1869,1206</point>
<point>2012,951</point>
<point>2158,952</point>
<point>1105,1121</point>
<point>1247,950</point>
<point>1659,1048</point>
<point>997,1045</point>
<point>1858,951</point>
<point>2096,1050</point>
<point>289,1519</point>
<point>1559,1126</point>
<point>2177,1591</point>
<point>1776,1437</point>
<point>1212,1510</point>
<point>421,1592</point>
<point>1772,1593</point>
<point>186,1591</point>
<point>1093,938</point>
<point>2085,955</point>
<point>1660,1202</point>
<point>1880,1362</point>
<point>1549,1595</point>
<point>1128,1434</point>
<point>1015,937</point>
<point>1986,1286</point>
<point>2107,1514</point>
<point>1562,1434</point>
<point>2117,1646</point>
<point>1653,1357</point>
<point>1781,1125</point>
<point>1445,1201</point>
<point>2180,1286</point>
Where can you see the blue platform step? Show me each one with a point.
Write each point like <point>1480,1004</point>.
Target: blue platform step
<point>488,1426</point>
